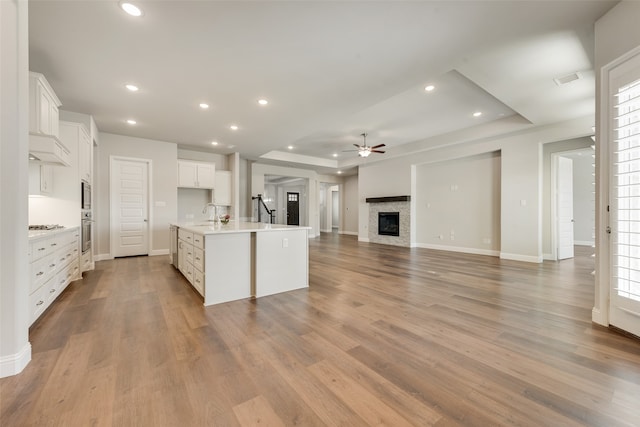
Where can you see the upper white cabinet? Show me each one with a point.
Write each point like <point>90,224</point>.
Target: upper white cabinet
<point>40,179</point>
<point>84,154</point>
<point>196,174</point>
<point>43,106</point>
<point>222,191</point>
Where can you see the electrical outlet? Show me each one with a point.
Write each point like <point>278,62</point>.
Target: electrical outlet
<point>285,243</point>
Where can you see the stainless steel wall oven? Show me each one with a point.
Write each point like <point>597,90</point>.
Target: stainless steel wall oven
<point>87,224</point>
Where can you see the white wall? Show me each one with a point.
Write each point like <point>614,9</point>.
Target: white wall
<point>521,170</point>
<point>616,34</point>
<point>457,204</point>
<point>349,205</point>
<point>164,157</point>
<point>583,199</point>
<point>15,350</point>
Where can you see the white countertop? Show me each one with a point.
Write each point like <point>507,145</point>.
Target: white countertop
<point>40,234</point>
<point>234,227</point>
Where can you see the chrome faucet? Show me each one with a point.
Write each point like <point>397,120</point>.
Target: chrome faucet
<point>212,216</point>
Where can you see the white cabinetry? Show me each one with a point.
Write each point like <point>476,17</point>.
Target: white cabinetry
<point>43,105</point>
<point>191,258</point>
<point>222,191</point>
<point>40,179</point>
<point>84,155</point>
<point>196,174</point>
<point>53,264</point>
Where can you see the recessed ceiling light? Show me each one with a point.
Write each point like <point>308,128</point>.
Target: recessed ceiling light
<point>232,146</point>
<point>233,127</point>
<point>204,106</point>
<point>339,172</point>
<point>131,9</point>
<point>335,154</point>
<point>290,147</point>
<point>131,122</point>
<point>429,88</point>
<point>477,114</point>
<point>263,101</point>
<point>132,88</point>
<point>214,142</point>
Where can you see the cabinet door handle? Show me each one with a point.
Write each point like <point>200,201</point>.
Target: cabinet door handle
<point>42,249</point>
<point>54,244</point>
<point>52,265</point>
<point>40,302</point>
<point>40,273</point>
<point>61,259</point>
<point>53,290</point>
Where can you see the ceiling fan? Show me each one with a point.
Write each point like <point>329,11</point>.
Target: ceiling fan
<point>364,150</point>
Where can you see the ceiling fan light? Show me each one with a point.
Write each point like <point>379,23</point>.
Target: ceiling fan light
<point>364,152</point>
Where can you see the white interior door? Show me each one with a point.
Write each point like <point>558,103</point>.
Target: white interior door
<point>624,309</point>
<point>565,207</point>
<point>129,208</point>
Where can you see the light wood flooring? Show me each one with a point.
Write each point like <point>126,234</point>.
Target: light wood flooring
<point>383,336</point>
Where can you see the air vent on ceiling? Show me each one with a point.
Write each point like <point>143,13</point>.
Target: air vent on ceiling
<point>568,78</point>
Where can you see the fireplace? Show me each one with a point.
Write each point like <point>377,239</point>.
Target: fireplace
<point>389,223</point>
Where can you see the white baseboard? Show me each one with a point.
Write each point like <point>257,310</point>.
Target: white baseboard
<point>348,233</point>
<point>598,317</point>
<point>583,242</point>
<point>13,364</point>
<point>475,251</point>
<point>548,257</point>
<point>326,230</point>
<point>102,257</point>
<point>518,257</point>
<point>363,239</point>
<point>159,252</point>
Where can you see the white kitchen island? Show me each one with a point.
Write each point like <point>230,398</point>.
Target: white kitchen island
<point>227,262</point>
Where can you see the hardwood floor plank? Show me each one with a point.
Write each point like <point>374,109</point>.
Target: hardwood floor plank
<point>257,412</point>
<point>382,336</point>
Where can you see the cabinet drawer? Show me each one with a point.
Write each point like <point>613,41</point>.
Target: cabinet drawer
<point>189,272</point>
<point>198,281</point>
<point>187,236</point>
<point>39,249</point>
<point>37,303</point>
<point>188,253</point>
<point>198,259</point>
<point>198,241</point>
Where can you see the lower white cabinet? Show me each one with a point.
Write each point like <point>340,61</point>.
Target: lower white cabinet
<point>54,262</point>
<point>191,258</point>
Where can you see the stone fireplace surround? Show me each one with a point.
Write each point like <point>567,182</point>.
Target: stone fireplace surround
<point>401,204</point>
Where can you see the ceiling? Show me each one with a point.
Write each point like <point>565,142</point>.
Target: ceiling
<point>330,70</point>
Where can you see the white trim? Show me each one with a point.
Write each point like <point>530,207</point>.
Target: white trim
<point>13,364</point>
<point>158,252</point>
<point>363,239</point>
<point>461,249</point>
<point>598,317</point>
<point>326,231</point>
<point>348,233</point>
<point>548,257</point>
<point>524,258</point>
<point>583,243</point>
<point>600,314</point>
<point>102,257</point>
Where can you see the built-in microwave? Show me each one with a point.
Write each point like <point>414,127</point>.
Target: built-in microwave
<point>86,195</point>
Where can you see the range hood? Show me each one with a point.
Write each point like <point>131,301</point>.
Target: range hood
<point>48,149</point>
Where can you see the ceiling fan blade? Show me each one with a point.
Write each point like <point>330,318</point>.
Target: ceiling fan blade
<point>377,146</point>
<point>359,147</point>
<point>377,151</point>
